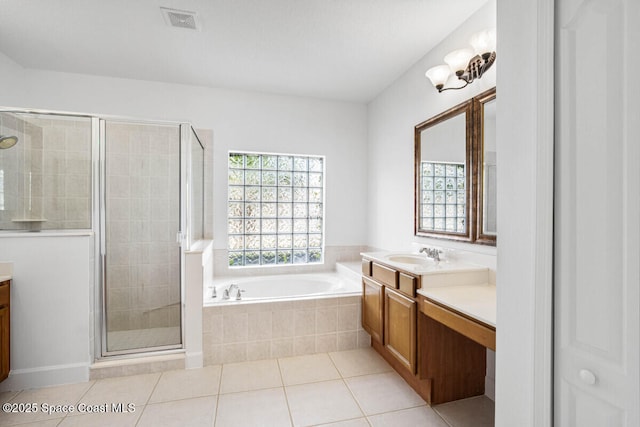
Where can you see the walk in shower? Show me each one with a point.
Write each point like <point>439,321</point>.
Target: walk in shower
<point>137,185</point>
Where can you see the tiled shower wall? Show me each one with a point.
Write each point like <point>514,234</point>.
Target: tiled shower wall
<point>142,219</point>
<point>47,174</point>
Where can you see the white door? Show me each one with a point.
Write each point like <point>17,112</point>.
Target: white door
<point>597,214</point>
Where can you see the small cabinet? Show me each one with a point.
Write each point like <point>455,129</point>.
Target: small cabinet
<point>400,328</point>
<point>5,365</point>
<point>372,298</point>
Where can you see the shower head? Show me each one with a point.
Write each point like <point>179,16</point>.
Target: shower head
<point>8,141</point>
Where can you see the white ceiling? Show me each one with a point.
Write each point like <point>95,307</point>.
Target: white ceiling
<point>335,49</point>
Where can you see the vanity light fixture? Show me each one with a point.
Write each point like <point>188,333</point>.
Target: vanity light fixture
<point>467,64</point>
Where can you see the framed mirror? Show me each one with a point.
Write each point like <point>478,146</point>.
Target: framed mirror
<point>485,112</point>
<point>455,173</point>
<point>443,174</point>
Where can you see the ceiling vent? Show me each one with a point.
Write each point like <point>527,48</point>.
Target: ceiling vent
<point>180,18</point>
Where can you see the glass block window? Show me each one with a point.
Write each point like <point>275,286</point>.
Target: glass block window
<point>443,196</point>
<point>275,209</point>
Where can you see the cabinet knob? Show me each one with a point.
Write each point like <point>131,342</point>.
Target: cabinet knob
<point>587,377</point>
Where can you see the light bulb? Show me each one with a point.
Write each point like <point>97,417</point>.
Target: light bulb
<point>438,75</point>
<point>484,42</point>
<point>458,60</point>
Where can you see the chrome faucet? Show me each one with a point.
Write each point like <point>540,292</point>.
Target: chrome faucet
<point>227,291</point>
<point>432,253</point>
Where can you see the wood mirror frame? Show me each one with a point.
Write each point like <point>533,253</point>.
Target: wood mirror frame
<point>482,236</point>
<point>473,109</point>
<point>465,108</point>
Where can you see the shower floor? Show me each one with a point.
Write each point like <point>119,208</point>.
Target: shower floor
<point>143,338</point>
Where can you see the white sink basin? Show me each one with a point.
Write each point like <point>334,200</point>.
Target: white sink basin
<point>434,273</point>
<point>408,259</point>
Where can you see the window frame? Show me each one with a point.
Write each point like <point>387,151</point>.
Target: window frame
<point>237,211</point>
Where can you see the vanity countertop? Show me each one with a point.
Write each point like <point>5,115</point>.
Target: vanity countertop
<point>6,271</point>
<point>475,301</point>
<point>419,263</point>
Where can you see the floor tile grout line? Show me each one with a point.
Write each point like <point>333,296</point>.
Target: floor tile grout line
<point>215,417</point>
<point>442,417</point>
<point>355,399</point>
<point>60,419</point>
<point>345,379</point>
<point>94,382</point>
<point>333,362</point>
<point>284,390</point>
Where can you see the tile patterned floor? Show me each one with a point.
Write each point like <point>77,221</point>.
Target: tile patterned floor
<point>348,389</point>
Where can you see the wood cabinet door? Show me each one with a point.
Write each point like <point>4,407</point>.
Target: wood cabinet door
<point>400,328</point>
<point>4,342</point>
<point>372,308</point>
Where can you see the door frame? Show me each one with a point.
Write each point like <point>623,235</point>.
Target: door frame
<point>524,357</point>
<point>100,206</point>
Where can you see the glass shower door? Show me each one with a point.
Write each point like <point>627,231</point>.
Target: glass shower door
<point>140,221</point>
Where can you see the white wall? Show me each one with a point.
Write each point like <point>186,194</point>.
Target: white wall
<point>11,81</point>
<point>240,121</point>
<point>410,100</point>
<point>407,102</point>
<point>50,309</point>
<point>245,121</point>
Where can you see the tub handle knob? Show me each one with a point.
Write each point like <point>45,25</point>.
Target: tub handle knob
<point>239,294</point>
<point>214,294</point>
<point>225,294</point>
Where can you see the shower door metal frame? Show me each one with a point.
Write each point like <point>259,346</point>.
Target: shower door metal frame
<point>98,217</point>
<point>101,327</point>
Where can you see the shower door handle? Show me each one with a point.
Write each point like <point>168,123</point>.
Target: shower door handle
<point>180,237</point>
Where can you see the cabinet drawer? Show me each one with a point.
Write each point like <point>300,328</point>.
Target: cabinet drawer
<point>407,284</point>
<point>4,293</point>
<point>386,275</point>
<point>366,267</point>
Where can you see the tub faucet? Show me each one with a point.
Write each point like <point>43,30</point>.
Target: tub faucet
<point>432,253</point>
<point>227,292</point>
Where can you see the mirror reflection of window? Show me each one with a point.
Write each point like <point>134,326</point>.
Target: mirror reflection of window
<point>443,199</point>
<point>443,176</point>
<point>460,202</point>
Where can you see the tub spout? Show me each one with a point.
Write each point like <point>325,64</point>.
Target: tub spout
<point>227,292</point>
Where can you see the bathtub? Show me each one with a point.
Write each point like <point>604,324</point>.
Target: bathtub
<point>283,316</point>
<point>281,288</point>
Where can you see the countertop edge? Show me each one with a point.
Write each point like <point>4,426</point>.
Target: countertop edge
<point>425,292</point>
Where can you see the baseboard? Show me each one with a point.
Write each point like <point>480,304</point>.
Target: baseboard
<point>193,360</point>
<point>490,388</point>
<point>22,379</point>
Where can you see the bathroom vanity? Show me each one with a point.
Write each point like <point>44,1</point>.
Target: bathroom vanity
<point>5,365</point>
<point>432,321</point>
